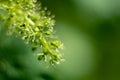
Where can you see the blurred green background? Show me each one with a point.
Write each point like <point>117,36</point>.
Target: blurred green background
<point>90,31</point>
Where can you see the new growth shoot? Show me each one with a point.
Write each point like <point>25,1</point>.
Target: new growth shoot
<point>34,25</point>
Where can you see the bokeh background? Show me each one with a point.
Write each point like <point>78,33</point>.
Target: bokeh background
<point>90,31</point>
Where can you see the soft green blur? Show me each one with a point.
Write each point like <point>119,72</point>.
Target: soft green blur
<point>90,31</point>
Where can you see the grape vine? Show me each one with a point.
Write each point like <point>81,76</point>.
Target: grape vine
<point>34,25</point>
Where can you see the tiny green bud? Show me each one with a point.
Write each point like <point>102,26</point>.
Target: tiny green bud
<point>34,48</point>
<point>40,57</point>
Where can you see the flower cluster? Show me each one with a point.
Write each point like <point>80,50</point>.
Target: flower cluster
<point>27,20</point>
